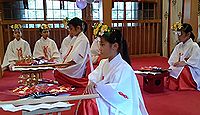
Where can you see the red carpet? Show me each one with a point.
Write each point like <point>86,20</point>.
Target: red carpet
<point>166,103</point>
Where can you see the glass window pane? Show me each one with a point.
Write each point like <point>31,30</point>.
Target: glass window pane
<point>56,4</point>
<point>31,26</point>
<point>37,25</point>
<point>128,15</point>
<point>39,4</point>
<point>69,10</point>
<point>56,25</point>
<point>56,14</point>
<point>120,5</point>
<point>135,15</point>
<point>114,15</point>
<point>128,5</point>
<point>40,14</point>
<point>121,15</point>
<point>63,14</point>
<point>50,14</point>
<point>49,4</point>
<point>95,14</point>
<point>31,4</point>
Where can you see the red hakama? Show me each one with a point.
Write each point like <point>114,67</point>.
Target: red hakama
<point>184,81</point>
<point>66,80</point>
<point>88,107</point>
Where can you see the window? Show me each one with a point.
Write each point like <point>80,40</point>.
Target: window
<point>132,10</point>
<point>35,11</point>
<point>56,10</point>
<point>118,11</point>
<point>95,10</point>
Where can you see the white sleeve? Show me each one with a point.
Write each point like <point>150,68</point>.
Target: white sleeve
<point>38,50</point>
<point>9,55</point>
<point>55,52</point>
<point>194,59</point>
<point>174,56</point>
<point>96,75</point>
<point>27,49</point>
<point>95,47</point>
<point>80,51</point>
<point>125,93</point>
<point>64,44</point>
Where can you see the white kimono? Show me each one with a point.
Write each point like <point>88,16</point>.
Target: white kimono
<point>66,45</point>
<point>79,52</point>
<point>46,48</point>
<point>95,49</point>
<point>118,88</point>
<point>189,50</point>
<point>14,49</point>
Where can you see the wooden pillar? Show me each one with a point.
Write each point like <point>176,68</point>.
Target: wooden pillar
<point>107,12</point>
<point>191,14</point>
<point>88,18</point>
<point>1,40</point>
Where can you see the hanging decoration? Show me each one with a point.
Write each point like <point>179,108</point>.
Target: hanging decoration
<point>81,4</point>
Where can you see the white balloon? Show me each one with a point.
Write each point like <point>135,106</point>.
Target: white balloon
<point>89,1</point>
<point>81,4</point>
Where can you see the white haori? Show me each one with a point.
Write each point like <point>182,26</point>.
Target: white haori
<point>11,54</point>
<point>95,49</point>
<point>52,50</point>
<point>66,46</point>
<point>191,51</point>
<point>118,88</point>
<point>79,53</point>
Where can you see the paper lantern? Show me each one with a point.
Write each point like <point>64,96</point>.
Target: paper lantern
<point>81,4</point>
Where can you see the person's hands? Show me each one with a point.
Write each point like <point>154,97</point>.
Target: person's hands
<point>180,64</point>
<point>10,67</point>
<point>90,89</point>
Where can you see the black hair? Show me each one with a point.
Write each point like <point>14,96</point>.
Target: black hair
<point>116,37</point>
<point>188,28</point>
<point>40,30</point>
<point>76,22</point>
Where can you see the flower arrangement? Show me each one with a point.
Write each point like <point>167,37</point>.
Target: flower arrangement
<point>177,26</point>
<point>65,21</point>
<point>101,29</point>
<point>44,27</point>
<point>16,26</point>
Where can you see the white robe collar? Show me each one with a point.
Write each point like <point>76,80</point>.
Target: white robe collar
<point>187,43</point>
<point>79,35</point>
<point>18,40</point>
<point>44,39</point>
<point>115,60</point>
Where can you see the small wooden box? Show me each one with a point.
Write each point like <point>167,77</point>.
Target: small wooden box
<point>154,83</point>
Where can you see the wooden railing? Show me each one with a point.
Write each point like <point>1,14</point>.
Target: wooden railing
<point>143,36</point>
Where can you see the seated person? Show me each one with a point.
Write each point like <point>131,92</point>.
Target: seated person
<point>68,41</point>
<point>114,80</point>
<point>76,58</point>
<point>17,49</point>
<point>185,62</point>
<point>46,48</point>
<point>95,52</point>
